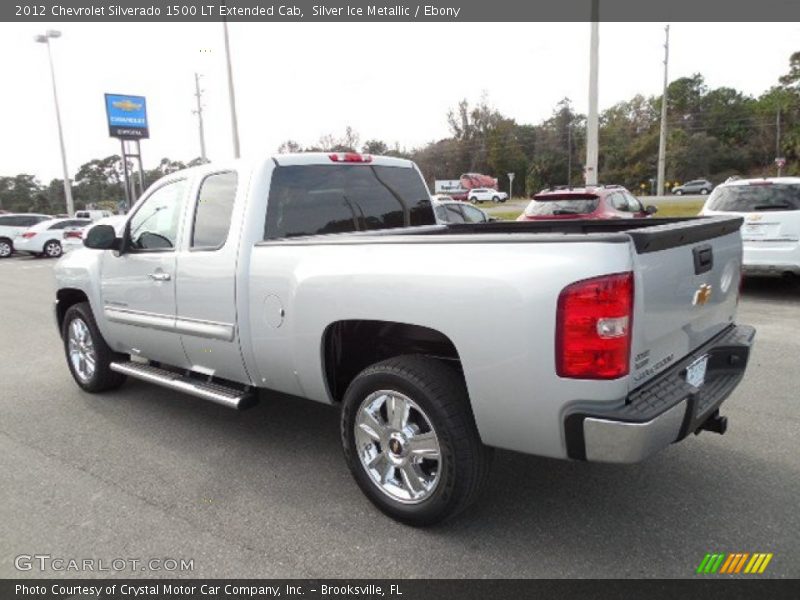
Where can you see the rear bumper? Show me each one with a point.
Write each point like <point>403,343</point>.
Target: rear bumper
<point>665,409</point>
<point>771,257</point>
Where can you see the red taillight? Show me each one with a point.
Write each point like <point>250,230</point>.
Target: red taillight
<point>593,328</point>
<point>28,234</point>
<point>73,234</point>
<point>350,157</point>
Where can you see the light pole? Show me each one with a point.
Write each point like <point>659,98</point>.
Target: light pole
<point>662,138</point>
<point>45,39</point>
<point>592,122</point>
<point>231,94</point>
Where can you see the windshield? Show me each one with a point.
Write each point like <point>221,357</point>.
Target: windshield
<point>749,198</point>
<point>547,208</point>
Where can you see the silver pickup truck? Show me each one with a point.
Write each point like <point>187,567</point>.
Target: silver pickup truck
<point>326,276</point>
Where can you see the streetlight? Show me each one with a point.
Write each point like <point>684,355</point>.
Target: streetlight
<point>45,39</point>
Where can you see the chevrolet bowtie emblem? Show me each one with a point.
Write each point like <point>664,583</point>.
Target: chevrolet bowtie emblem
<point>126,105</point>
<point>702,295</point>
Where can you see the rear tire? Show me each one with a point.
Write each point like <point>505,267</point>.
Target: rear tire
<point>6,248</point>
<point>52,249</point>
<point>88,356</point>
<point>428,469</point>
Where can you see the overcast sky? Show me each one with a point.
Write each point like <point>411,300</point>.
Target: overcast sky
<point>391,81</point>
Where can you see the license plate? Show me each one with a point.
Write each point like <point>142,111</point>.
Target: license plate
<point>696,372</point>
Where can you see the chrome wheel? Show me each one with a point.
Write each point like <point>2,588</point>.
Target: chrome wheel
<point>397,446</point>
<point>5,249</point>
<point>52,249</point>
<point>81,350</point>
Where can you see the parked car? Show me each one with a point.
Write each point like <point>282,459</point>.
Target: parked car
<point>73,236</point>
<point>481,195</point>
<point>771,212</point>
<point>93,215</point>
<point>44,238</point>
<point>614,202</point>
<point>327,277</point>
<point>453,211</point>
<point>696,186</point>
<point>12,225</point>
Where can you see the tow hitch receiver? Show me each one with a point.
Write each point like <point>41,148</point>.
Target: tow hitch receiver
<point>714,423</point>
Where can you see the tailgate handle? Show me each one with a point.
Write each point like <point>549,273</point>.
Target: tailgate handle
<point>703,259</point>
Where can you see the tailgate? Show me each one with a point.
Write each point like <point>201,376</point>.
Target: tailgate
<point>687,287</point>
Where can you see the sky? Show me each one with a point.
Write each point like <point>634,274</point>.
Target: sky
<point>389,81</point>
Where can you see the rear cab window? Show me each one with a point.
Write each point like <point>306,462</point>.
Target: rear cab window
<point>755,197</point>
<point>321,199</point>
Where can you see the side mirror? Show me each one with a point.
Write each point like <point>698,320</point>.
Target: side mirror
<point>102,237</point>
<point>650,209</point>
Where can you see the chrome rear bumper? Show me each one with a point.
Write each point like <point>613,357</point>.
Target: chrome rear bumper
<point>665,409</point>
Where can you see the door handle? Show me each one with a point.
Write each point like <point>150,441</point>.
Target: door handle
<point>159,276</point>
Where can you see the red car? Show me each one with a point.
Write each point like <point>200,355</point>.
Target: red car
<point>613,202</point>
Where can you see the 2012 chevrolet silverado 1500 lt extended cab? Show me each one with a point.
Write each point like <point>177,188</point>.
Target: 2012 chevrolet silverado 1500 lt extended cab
<point>326,277</point>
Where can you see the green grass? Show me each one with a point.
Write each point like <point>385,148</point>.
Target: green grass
<point>679,209</point>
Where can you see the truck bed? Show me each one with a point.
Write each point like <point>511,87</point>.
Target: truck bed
<point>648,235</point>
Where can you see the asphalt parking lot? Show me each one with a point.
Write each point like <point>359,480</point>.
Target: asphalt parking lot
<point>148,473</point>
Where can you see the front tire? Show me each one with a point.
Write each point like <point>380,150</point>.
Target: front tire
<point>679,193</point>
<point>88,356</point>
<point>6,248</point>
<point>52,249</point>
<point>703,192</point>
<point>410,439</point>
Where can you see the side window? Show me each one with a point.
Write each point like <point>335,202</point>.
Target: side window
<point>5,221</point>
<point>28,221</point>
<point>633,204</point>
<point>212,217</point>
<point>473,215</point>
<point>155,224</point>
<point>59,225</point>
<point>454,214</point>
<point>618,201</point>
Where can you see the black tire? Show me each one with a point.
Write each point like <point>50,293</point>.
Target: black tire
<point>439,390</point>
<point>6,248</point>
<point>103,378</point>
<point>52,249</point>
<point>704,191</point>
<point>679,192</point>
<point>495,199</point>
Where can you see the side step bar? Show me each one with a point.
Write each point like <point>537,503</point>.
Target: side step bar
<point>215,392</point>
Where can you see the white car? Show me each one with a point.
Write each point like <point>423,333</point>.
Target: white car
<point>771,230</point>
<point>73,236</point>
<point>481,195</point>
<point>453,211</point>
<point>12,225</point>
<point>44,239</point>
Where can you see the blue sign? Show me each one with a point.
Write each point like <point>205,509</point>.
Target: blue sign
<point>127,116</point>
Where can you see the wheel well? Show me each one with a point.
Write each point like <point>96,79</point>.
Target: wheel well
<point>351,346</point>
<point>67,297</point>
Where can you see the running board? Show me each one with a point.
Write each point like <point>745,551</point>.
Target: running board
<point>221,394</point>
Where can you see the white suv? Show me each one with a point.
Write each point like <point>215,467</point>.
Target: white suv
<point>481,195</point>
<point>12,225</point>
<point>771,230</point>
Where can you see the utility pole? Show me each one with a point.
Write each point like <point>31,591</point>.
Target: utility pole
<point>569,151</point>
<point>45,39</point>
<point>662,139</point>
<point>778,157</point>
<point>199,112</point>
<point>231,93</point>
<point>592,121</point>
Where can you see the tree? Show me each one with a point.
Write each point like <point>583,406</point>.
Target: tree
<point>289,147</point>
